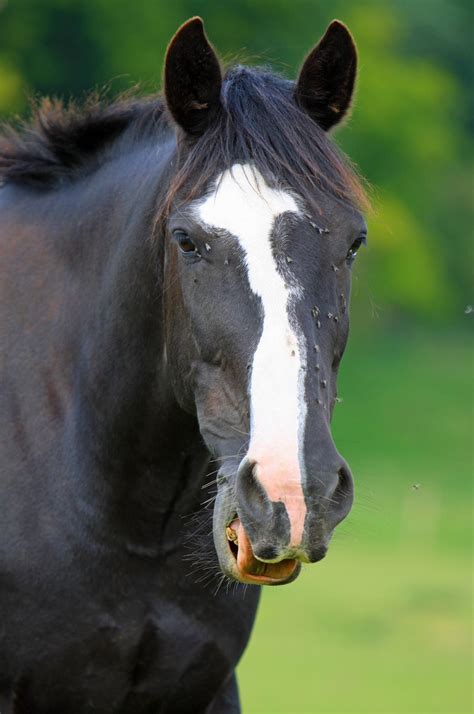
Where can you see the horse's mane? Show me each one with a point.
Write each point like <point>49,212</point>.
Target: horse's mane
<point>260,124</point>
<point>60,138</point>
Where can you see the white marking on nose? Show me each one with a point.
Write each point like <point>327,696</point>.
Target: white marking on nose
<point>244,205</point>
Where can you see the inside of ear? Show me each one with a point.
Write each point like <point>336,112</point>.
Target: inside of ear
<point>326,81</point>
<point>192,78</point>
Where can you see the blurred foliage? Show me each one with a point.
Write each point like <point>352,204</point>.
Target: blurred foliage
<point>411,132</point>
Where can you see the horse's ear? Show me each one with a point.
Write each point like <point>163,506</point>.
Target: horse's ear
<point>326,80</point>
<point>192,78</point>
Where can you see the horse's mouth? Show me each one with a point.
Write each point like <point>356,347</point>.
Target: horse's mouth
<point>250,569</point>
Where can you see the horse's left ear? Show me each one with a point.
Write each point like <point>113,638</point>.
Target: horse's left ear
<point>326,80</point>
<point>192,78</point>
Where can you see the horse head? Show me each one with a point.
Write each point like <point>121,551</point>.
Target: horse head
<point>262,228</point>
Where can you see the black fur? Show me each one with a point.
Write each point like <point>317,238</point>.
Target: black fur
<point>124,387</point>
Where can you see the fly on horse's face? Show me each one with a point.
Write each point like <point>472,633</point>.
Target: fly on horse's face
<point>261,274</point>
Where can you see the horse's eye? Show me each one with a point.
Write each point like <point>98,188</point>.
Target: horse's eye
<point>186,245</point>
<point>362,239</point>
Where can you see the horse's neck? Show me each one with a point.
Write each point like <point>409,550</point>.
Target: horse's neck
<point>142,456</point>
<point>97,409</point>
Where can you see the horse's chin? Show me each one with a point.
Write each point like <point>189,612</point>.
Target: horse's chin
<point>234,550</point>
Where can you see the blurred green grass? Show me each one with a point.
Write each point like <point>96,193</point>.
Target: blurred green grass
<point>384,623</point>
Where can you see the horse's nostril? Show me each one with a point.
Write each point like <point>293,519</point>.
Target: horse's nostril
<point>344,488</point>
<point>342,496</point>
<point>253,495</point>
<point>317,553</point>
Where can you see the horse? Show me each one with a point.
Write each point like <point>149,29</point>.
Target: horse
<point>175,279</point>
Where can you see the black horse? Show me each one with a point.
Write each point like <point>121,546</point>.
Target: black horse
<point>175,276</point>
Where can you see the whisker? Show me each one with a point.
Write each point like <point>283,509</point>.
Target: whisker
<point>219,585</point>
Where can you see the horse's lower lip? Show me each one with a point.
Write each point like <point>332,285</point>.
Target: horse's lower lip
<point>252,570</point>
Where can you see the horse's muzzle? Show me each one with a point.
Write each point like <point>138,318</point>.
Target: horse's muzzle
<point>252,568</point>
<point>254,537</point>
<point>234,549</point>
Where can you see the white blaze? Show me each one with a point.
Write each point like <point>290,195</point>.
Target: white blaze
<point>244,205</point>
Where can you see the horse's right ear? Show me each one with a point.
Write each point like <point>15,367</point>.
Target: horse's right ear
<point>326,81</point>
<point>192,78</point>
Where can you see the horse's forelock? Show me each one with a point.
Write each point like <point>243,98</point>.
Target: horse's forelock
<point>263,126</point>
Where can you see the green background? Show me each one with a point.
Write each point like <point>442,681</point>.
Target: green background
<point>383,624</point>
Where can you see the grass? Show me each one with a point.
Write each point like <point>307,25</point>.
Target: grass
<point>384,623</point>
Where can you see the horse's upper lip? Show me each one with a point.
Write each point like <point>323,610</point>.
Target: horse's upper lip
<point>249,568</point>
